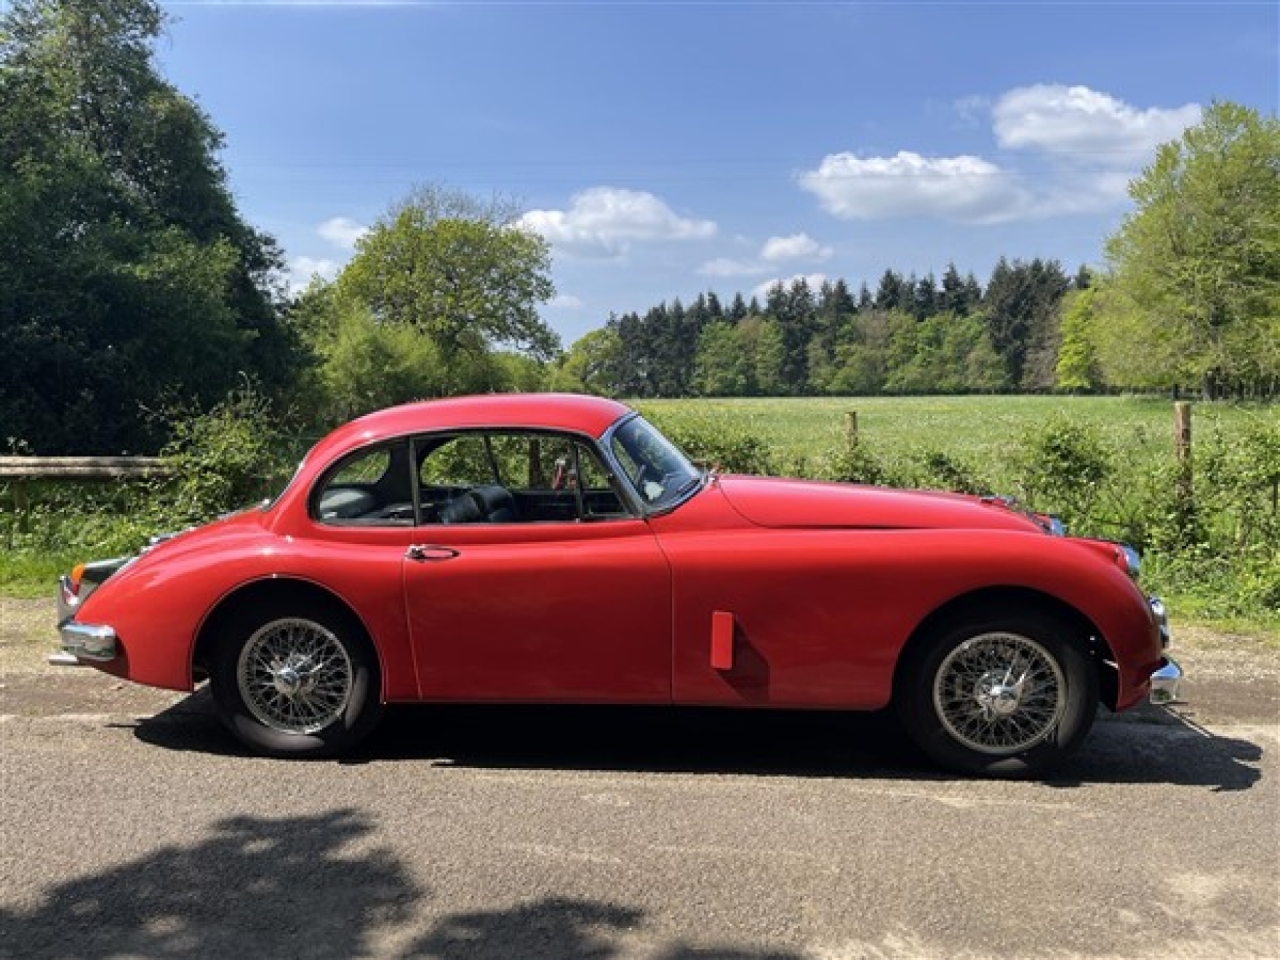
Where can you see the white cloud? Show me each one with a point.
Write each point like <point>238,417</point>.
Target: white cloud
<point>725,267</point>
<point>1080,147</point>
<point>567,300</point>
<point>303,269</point>
<point>965,188</point>
<point>798,246</point>
<point>815,280</point>
<point>342,232</point>
<point>606,220</point>
<point>1085,125</point>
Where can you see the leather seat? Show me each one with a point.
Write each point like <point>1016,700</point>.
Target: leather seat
<point>463,508</point>
<point>496,503</point>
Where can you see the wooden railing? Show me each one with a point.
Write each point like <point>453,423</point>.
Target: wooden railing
<point>17,472</point>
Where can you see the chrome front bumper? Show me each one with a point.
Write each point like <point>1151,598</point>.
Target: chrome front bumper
<point>1166,680</point>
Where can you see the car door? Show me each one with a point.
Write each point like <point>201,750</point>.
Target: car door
<point>544,587</point>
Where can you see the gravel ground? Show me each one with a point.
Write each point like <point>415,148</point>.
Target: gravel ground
<point>132,825</point>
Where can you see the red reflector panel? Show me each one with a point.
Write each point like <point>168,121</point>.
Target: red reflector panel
<point>721,640</point>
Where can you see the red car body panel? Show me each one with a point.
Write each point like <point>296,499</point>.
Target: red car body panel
<point>751,592</point>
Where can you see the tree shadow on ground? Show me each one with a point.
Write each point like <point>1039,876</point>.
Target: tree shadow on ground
<point>558,929</point>
<point>254,887</point>
<point>266,887</point>
<point>1151,745</point>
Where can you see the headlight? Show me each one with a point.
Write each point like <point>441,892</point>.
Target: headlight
<point>1131,561</point>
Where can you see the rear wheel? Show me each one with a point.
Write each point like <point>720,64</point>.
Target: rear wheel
<point>296,682</point>
<point>1008,696</point>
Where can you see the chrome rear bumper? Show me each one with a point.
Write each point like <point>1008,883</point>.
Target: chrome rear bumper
<point>85,641</point>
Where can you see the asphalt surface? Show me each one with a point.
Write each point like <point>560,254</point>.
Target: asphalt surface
<point>132,825</point>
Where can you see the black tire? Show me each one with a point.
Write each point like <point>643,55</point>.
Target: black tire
<point>999,695</point>
<point>296,681</point>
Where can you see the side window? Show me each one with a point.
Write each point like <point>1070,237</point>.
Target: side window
<point>512,476</point>
<point>460,461</point>
<point>599,498</point>
<point>370,488</point>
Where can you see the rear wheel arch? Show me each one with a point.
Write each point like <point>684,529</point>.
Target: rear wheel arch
<point>283,591</point>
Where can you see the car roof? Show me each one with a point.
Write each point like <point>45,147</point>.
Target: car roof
<point>551,411</point>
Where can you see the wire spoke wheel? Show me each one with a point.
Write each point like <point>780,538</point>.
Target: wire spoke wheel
<point>999,693</point>
<point>295,676</point>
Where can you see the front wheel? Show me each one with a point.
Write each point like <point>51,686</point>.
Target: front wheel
<point>296,683</point>
<point>1005,696</point>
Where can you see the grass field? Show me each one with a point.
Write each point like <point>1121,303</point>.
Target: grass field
<point>984,431</point>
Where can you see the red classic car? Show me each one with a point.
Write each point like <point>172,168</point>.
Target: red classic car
<point>551,548</point>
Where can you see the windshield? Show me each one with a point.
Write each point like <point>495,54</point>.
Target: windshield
<point>659,473</point>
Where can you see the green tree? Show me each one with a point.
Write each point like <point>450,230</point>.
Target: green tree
<point>1194,297</point>
<point>130,281</point>
<point>590,365</point>
<point>366,365</point>
<point>764,344</point>
<point>1021,307</point>
<point>722,367</point>
<point>1077,368</point>
<point>459,271</point>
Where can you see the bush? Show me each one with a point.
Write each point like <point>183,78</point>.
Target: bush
<point>1062,468</point>
<point>227,458</point>
<point>857,463</point>
<point>935,470</point>
<point>721,444</point>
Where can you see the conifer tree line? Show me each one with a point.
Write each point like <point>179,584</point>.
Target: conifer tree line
<point>912,335</point>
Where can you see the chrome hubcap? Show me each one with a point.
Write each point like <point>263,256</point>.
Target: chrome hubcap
<point>294,675</point>
<point>999,693</point>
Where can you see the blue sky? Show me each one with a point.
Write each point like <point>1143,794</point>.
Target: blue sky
<point>669,148</point>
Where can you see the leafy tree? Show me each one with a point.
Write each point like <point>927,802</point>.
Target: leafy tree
<point>861,359</point>
<point>763,342</point>
<point>591,365</point>
<point>1195,294</point>
<point>367,365</point>
<point>722,368</point>
<point>458,270</point>
<point>1077,367</point>
<point>130,280</point>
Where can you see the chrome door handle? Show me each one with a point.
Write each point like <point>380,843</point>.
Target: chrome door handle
<point>430,551</point>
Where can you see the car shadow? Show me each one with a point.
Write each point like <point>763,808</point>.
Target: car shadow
<point>1152,745</point>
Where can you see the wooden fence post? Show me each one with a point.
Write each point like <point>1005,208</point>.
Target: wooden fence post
<point>851,428</point>
<point>1182,454</point>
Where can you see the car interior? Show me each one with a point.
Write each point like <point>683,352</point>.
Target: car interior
<point>548,478</point>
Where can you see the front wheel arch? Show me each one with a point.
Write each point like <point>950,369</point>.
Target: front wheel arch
<point>959,722</point>
<point>1019,600</point>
